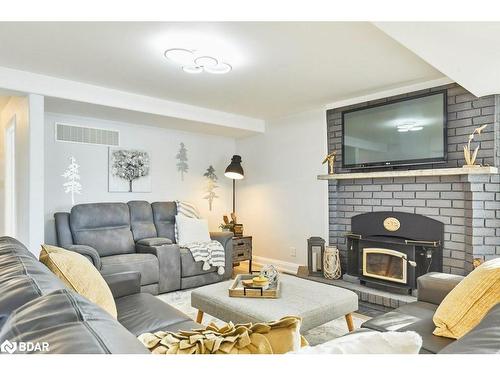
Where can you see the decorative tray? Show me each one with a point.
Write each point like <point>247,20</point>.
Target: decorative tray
<point>237,289</point>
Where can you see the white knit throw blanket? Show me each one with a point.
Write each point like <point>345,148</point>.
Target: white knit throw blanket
<point>210,253</point>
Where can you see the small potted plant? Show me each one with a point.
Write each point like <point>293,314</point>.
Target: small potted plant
<point>226,227</point>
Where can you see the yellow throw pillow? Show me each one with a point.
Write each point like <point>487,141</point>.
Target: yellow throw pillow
<point>281,336</point>
<point>467,304</point>
<point>79,274</point>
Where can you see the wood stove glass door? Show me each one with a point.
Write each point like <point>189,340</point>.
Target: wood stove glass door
<point>385,264</point>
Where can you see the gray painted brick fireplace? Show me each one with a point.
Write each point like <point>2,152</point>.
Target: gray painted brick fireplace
<point>468,205</point>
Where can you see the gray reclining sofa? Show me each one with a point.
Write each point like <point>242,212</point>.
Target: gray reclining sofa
<point>137,236</point>
<point>37,307</point>
<point>417,316</point>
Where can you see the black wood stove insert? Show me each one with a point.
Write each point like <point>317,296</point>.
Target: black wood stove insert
<point>390,250</point>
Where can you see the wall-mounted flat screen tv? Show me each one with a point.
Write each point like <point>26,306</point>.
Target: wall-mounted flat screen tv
<point>404,132</point>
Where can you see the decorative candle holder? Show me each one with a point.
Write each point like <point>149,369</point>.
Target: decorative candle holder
<point>315,253</point>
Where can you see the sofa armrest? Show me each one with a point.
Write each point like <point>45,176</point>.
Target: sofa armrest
<point>123,283</point>
<point>169,261</point>
<point>89,252</point>
<point>222,237</point>
<point>434,286</point>
<point>226,240</point>
<point>155,241</point>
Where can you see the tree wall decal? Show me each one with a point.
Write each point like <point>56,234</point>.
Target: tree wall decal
<point>130,165</point>
<point>72,176</point>
<point>211,186</point>
<point>182,165</point>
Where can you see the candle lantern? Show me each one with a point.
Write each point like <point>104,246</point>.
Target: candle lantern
<point>315,253</point>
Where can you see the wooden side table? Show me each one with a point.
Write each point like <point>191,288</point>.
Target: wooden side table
<point>242,250</point>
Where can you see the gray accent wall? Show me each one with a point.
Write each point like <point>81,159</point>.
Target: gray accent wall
<point>468,205</point>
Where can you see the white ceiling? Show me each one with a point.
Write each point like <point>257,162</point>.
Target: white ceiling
<point>467,52</point>
<point>278,68</point>
<point>76,108</point>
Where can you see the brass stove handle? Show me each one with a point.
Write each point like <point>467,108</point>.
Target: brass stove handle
<point>431,243</point>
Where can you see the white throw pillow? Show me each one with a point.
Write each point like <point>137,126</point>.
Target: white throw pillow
<point>370,342</point>
<point>191,230</point>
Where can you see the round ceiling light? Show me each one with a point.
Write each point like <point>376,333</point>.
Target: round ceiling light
<point>206,61</point>
<point>220,68</point>
<point>193,63</point>
<point>180,56</point>
<point>192,69</point>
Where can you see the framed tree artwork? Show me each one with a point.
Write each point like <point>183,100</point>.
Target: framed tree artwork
<point>129,171</point>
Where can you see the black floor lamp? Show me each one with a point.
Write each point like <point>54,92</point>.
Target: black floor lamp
<point>235,172</point>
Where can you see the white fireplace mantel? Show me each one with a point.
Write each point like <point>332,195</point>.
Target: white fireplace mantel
<point>412,173</point>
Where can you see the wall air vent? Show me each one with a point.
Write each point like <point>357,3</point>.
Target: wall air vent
<point>83,134</point>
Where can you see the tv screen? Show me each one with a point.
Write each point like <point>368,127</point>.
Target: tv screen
<point>408,131</point>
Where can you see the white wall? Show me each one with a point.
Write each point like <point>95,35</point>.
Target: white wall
<point>28,111</point>
<point>2,169</point>
<point>19,107</point>
<point>36,171</point>
<point>280,201</point>
<point>162,144</point>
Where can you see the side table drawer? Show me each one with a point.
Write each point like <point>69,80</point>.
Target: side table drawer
<point>242,251</point>
<point>240,255</point>
<point>242,242</point>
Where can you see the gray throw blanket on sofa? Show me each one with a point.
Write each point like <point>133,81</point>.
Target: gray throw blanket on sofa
<point>210,253</point>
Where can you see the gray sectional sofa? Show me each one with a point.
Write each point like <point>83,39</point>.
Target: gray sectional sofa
<point>417,316</point>
<point>137,236</point>
<point>36,307</point>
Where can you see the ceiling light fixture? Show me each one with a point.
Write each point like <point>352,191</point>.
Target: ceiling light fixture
<point>191,63</point>
<point>205,61</point>
<point>192,69</point>
<point>220,68</point>
<point>180,56</point>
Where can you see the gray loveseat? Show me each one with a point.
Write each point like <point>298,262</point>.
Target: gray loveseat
<point>417,316</point>
<point>137,236</point>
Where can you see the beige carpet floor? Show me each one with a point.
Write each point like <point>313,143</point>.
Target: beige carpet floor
<point>331,330</point>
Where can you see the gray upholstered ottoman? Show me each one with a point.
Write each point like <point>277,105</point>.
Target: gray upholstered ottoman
<point>316,303</point>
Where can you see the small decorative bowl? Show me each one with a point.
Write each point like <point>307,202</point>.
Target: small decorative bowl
<point>260,281</point>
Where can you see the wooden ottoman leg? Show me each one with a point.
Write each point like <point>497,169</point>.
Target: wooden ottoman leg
<point>350,324</point>
<point>199,317</point>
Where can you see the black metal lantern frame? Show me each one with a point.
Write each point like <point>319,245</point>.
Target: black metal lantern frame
<point>315,255</point>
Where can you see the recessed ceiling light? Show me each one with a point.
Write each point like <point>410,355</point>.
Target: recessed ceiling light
<point>192,69</point>
<point>206,61</point>
<point>220,68</point>
<point>180,56</point>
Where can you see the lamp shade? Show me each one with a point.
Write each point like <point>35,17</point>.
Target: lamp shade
<point>235,170</point>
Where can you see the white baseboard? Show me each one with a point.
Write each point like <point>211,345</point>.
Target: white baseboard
<point>282,266</point>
